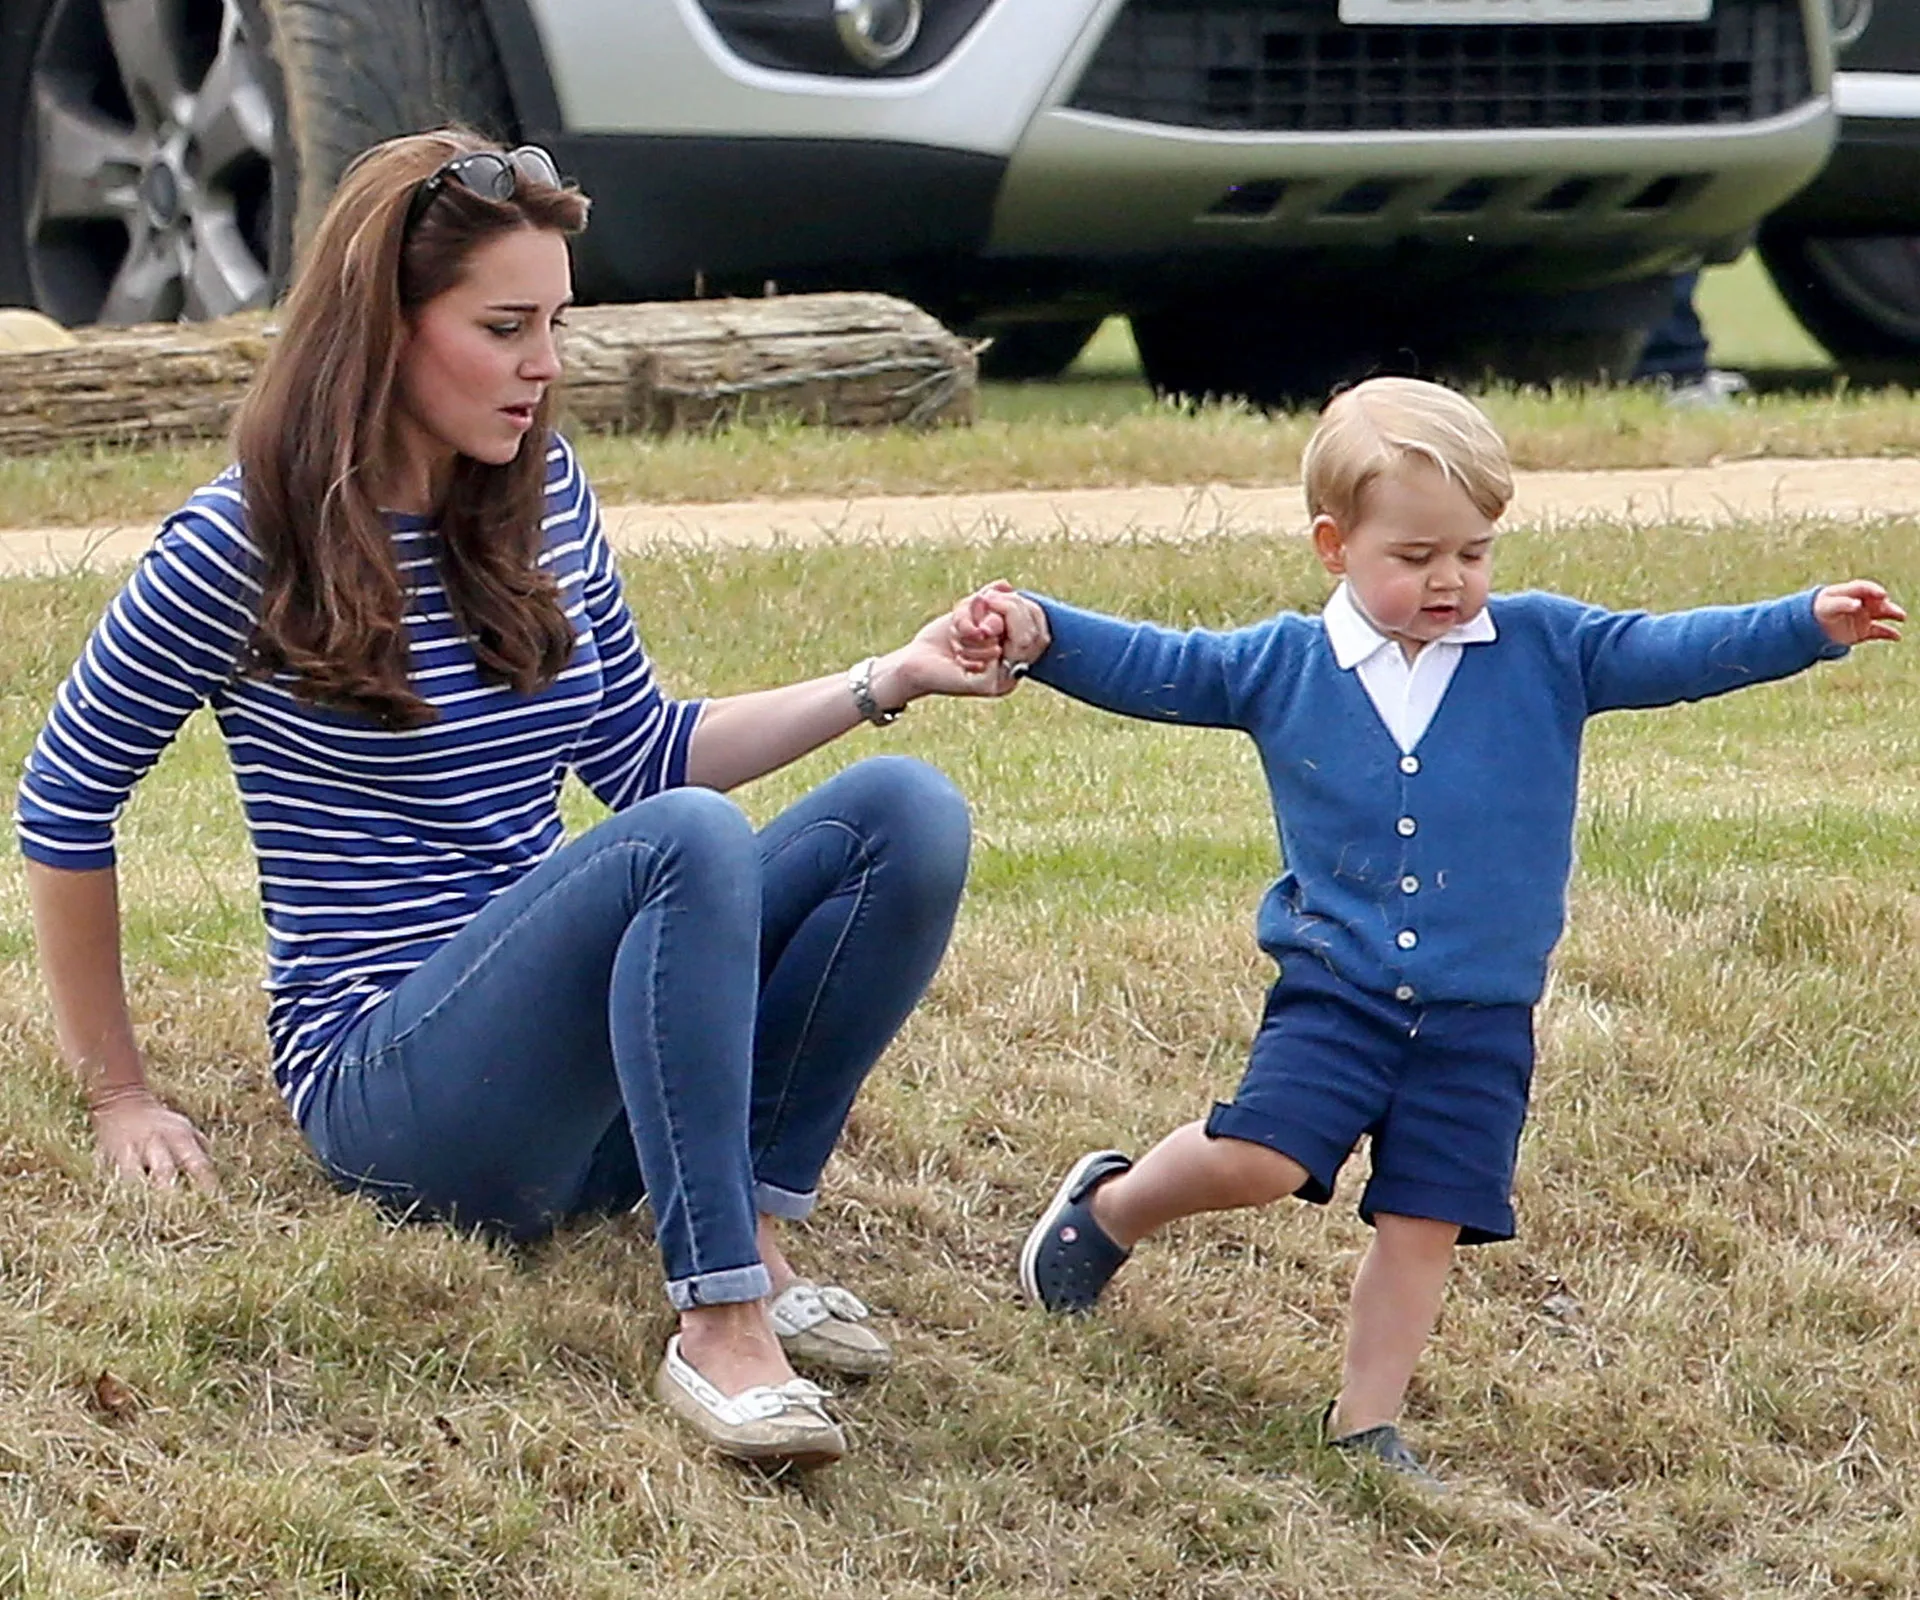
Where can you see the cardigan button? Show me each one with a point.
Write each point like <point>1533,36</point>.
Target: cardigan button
<point>1409,884</point>
<point>1405,826</point>
<point>1406,938</point>
<point>1404,992</point>
<point>1409,765</point>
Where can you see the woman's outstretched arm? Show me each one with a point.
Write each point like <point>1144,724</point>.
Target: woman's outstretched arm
<point>745,736</point>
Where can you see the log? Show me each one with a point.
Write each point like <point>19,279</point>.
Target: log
<point>836,360</point>
<point>844,360</point>
<point>160,382</point>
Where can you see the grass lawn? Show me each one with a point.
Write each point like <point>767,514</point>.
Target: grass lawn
<point>1693,1375</point>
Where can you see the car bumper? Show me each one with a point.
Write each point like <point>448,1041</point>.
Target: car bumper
<point>687,215</point>
<point>1575,206</point>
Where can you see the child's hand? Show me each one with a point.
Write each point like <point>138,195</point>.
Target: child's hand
<point>1020,623</point>
<point>1857,611</point>
<point>975,636</point>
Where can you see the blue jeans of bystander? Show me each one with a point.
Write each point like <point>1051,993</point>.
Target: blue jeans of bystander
<point>1676,347</point>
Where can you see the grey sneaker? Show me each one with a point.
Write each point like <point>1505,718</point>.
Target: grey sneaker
<point>1384,1445</point>
<point>1712,390</point>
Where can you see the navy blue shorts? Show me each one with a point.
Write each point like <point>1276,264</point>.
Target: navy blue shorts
<point>1440,1090</point>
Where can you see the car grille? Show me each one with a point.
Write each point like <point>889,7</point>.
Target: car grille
<point>1294,67</point>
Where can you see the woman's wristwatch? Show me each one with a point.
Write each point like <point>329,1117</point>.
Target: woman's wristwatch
<point>860,686</point>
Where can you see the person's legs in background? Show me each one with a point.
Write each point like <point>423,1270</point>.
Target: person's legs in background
<point>1676,354</point>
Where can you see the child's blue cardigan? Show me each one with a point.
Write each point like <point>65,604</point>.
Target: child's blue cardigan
<point>1440,875</point>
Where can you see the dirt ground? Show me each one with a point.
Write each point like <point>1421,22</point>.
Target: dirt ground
<point>1726,492</point>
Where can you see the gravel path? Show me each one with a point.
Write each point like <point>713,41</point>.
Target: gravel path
<point>1737,491</point>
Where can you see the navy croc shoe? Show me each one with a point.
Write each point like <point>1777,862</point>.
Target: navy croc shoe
<point>1068,1259</point>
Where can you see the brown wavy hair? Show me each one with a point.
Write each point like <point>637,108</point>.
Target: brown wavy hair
<point>315,442</point>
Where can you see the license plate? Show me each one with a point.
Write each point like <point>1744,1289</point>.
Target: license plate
<point>1523,11</point>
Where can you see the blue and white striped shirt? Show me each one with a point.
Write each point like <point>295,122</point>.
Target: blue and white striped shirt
<point>374,846</point>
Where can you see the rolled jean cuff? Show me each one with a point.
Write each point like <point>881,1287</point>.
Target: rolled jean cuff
<point>731,1287</point>
<point>771,1201</point>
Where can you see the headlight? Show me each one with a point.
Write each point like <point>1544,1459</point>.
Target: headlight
<point>876,32</point>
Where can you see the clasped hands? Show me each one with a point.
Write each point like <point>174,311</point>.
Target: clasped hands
<point>996,634</point>
<point>982,647</point>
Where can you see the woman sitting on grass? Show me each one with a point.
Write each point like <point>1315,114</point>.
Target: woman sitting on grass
<point>404,612</point>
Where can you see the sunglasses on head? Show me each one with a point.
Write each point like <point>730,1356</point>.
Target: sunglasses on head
<point>491,174</point>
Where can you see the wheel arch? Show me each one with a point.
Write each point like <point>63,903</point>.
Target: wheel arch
<point>522,53</point>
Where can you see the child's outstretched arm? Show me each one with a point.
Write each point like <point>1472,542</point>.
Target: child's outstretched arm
<point>1857,612</point>
<point>1138,669</point>
<point>1633,659</point>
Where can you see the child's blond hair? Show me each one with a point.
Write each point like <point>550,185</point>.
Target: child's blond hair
<point>1373,427</point>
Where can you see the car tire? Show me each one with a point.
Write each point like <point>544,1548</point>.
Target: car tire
<point>354,72</point>
<point>165,167</point>
<point>1301,357</point>
<point>1027,350</point>
<point>1859,297</point>
<point>1204,353</point>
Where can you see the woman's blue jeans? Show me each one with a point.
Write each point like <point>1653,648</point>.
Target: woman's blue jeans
<point>671,1006</point>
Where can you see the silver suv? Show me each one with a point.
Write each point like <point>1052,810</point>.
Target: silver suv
<point>1276,191</point>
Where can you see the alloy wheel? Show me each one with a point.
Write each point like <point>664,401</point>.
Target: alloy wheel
<point>149,162</point>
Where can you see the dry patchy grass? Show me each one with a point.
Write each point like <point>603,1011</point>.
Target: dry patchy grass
<point>1047,436</point>
<point>1695,1374</point>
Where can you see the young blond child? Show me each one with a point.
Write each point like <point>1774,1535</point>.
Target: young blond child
<point>1421,741</point>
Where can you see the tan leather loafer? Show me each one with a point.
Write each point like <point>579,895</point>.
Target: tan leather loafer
<point>825,1326</point>
<point>773,1423</point>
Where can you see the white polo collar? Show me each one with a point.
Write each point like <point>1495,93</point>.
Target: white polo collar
<point>1354,638</point>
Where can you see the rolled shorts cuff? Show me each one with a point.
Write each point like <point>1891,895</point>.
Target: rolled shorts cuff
<point>731,1287</point>
<point>1482,1218</point>
<point>772,1201</point>
<point>1229,1121</point>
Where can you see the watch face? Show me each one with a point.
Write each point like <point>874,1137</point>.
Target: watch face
<point>860,683</point>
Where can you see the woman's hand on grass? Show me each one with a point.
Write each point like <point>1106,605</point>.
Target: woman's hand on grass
<point>1857,611</point>
<point>148,1142</point>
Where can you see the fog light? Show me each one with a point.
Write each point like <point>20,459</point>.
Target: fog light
<point>1850,18</point>
<point>876,32</point>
